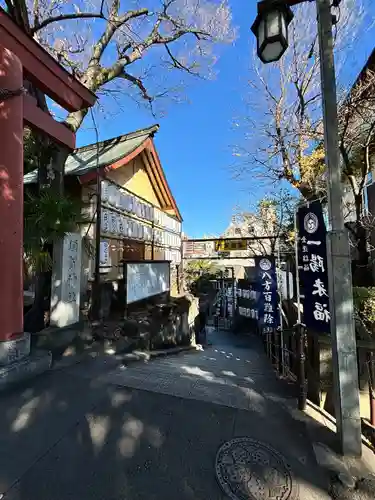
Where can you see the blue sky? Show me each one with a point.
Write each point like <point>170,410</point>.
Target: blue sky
<point>195,138</point>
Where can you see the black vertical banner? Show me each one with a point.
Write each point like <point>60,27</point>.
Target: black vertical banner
<point>312,262</point>
<point>266,285</point>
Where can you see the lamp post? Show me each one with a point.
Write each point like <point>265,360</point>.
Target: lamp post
<point>271,31</point>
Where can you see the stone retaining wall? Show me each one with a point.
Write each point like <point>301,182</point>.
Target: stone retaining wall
<point>169,324</point>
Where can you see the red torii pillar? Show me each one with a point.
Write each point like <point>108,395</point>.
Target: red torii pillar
<point>11,199</point>
<point>22,58</point>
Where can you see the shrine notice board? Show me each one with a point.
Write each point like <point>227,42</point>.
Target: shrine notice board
<point>146,279</point>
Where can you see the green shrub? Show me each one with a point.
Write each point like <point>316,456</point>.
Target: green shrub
<point>198,274</point>
<point>364,305</point>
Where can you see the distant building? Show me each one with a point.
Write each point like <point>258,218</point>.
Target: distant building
<point>245,225</point>
<point>250,225</point>
<point>361,126</point>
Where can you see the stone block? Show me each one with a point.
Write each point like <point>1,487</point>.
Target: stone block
<point>66,280</point>
<point>54,339</point>
<point>12,351</point>
<point>144,341</point>
<point>130,328</point>
<point>325,368</point>
<point>163,324</point>
<point>123,344</point>
<point>25,369</point>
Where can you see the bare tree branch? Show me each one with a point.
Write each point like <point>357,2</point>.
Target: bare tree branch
<point>285,141</point>
<point>137,52</point>
<point>128,36</point>
<point>113,24</point>
<point>178,64</point>
<point>138,83</point>
<point>38,25</point>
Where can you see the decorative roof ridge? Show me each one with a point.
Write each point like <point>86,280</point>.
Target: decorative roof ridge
<point>148,131</point>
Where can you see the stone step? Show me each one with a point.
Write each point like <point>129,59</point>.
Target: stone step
<point>12,351</point>
<point>34,364</point>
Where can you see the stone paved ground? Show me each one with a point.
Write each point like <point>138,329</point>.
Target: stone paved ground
<point>233,372</point>
<point>150,431</point>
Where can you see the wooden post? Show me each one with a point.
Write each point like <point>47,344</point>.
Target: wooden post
<point>153,241</point>
<point>125,289</point>
<point>11,198</point>
<point>371,382</point>
<point>279,363</point>
<point>302,395</point>
<point>96,289</point>
<point>276,359</point>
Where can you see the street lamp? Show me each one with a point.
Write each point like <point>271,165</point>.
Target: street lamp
<point>271,29</point>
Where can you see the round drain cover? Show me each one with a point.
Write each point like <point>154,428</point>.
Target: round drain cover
<point>250,470</point>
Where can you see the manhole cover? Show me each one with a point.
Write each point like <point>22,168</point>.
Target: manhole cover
<point>250,470</point>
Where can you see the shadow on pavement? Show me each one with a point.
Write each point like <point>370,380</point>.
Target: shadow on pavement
<point>69,436</point>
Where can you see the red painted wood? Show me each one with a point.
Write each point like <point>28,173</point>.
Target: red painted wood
<point>11,199</point>
<point>91,176</point>
<point>42,70</point>
<point>22,58</point>
<point>164,179</point>
<point>44,122</point>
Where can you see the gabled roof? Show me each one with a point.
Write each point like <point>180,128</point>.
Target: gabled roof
<point>101,154</point>
<point>115,153</point>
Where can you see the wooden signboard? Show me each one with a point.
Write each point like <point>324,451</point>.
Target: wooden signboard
<point>230,245</point>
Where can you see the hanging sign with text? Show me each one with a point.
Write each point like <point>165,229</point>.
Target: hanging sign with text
<point>266,285</point>
<point>312,262</point>
<point>247,299</point>
<point>229,245</point>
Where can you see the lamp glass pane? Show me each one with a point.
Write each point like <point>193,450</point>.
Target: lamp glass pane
<point>273,26</point>
<point>261,33</point>
<point>272,51</point>
<point>284,27</point>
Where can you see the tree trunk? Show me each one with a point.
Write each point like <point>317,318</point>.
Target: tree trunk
<point>307,192</point>
<point>362,275</point>
<point>50,176</point>
<point>34,319</point>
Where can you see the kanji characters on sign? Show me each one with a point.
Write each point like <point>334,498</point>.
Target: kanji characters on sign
<point>319,288</point>
<point>312,263</point>
<point>316,263</point>
<point>321,312</point>
<point>267,287</point>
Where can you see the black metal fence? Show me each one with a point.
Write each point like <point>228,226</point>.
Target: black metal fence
<point>295,354</point>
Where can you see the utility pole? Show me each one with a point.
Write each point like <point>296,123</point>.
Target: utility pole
<point>271,30</point>
<point>344,352</point>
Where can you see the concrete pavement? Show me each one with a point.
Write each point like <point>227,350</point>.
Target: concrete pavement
<point>152,431</point>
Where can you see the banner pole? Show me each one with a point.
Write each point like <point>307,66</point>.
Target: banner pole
<point>300,330</point>
<point>297,268</point>
<point>279,285</point>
